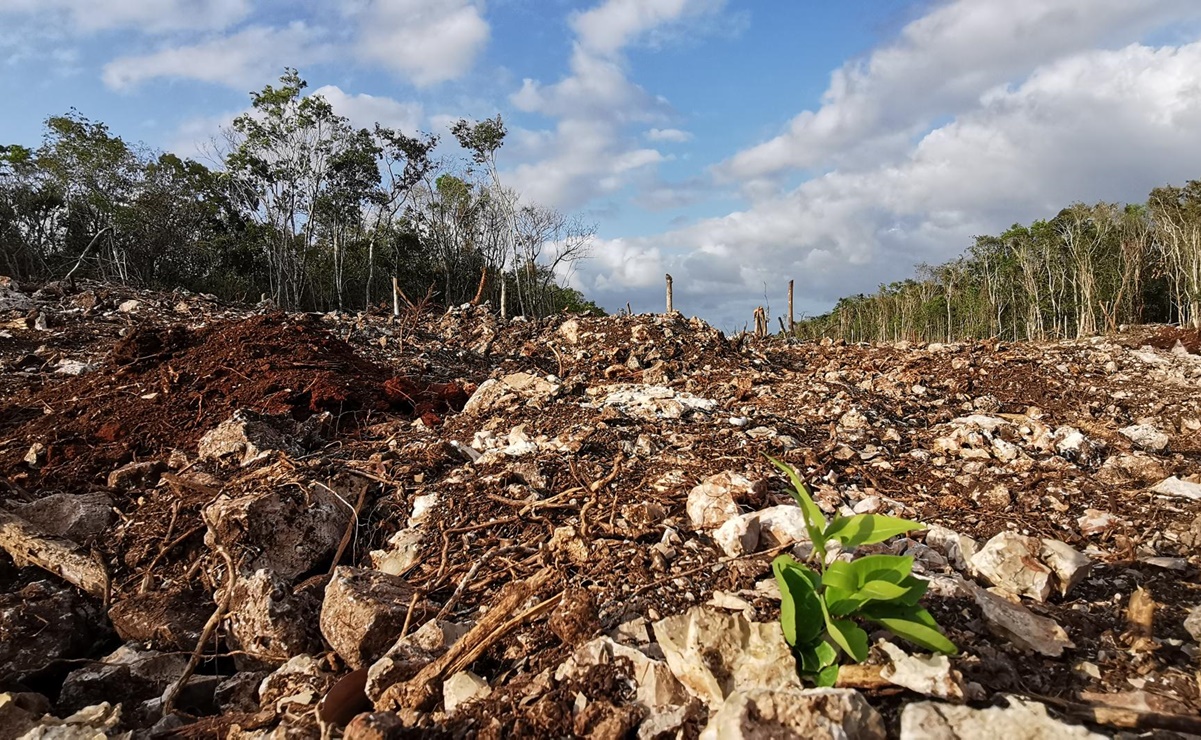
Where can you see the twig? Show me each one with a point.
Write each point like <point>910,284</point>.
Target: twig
<point>352,527</point>
<point>173,690</point>
<point>26,542</point>
<point>409,614</point>
<point>146,577</point>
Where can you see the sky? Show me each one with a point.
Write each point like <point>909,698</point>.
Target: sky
<point>736,145</point>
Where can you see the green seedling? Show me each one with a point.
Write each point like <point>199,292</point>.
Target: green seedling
<point>819,607</point>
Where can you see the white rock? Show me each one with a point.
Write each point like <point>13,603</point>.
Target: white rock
<point>1021,720</point>
<point>1175,487</point>
<point>1071,444</point>
<point>931,675</point>
<point>1010,561</point>
<point>656,686</point>
<point>422,506</point>
<point>1070,567</point>
<point>269,621</point>
<point>813,714</point>
<point>714,501</point>
<point>494,394</point>
<point>1016,623</point>
<point>245,436</point>
<point>73,367</point>
<point>715,654</point>
<point>1146,437</point>
<point>411,653</point>
<point>652,402</point>
<point>1096,522</point>
<point>739,535</point>
<point>404,550</point>
<point>781,525</point>
<point>980,421</point>
<point>957,548</point>
<point>129,306</point>
<point>461,688</point>
<point>570,331</point>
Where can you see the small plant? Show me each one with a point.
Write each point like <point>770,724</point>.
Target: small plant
<point>818,607</point>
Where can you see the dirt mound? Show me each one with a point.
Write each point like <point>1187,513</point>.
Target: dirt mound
<point>163,387</point>
<point>1169,336</point>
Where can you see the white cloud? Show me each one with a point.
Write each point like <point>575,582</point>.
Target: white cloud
<point>615,24</point>
<point>364,111</point>
<point>945,60</point>
<point>1094,125</point>
<point>673,135</point>
<point>244,60</point>
<point>589,153</point>
<point>157,16</point>
<point>426,41</point>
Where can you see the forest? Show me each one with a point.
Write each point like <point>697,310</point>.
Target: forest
<point>1088,270</point>
<point>303,209</point>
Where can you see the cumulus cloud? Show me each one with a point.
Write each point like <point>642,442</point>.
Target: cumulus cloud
<point>1094,125</point>
<point>155,17</point>
<point>364,111</point>
<point>875,107</point>
<point>425,41</point>
<point>672,135</point>
<point>590,152</point>
<point>243,60</point>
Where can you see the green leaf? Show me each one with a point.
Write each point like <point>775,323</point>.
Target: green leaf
<point>881,591</point>
<point>800,609</point>
<point>841,576</point>
<point>815,521</point>
<point>916,590</point>
<point>868,529</point>
<point>827,654</point>
<point>912,623</point>
<point>827,677</point>
<point>850,637</point>
<point>891,568</point>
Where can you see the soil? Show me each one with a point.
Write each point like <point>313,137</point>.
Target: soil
<point>394,388</point>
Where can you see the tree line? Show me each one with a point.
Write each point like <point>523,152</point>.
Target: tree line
<point>303,208</point>
<point>1088,270</point>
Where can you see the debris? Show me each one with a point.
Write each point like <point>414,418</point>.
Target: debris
<point>656,686</point>
<point>715,500</point>
<point>245,436</point>
<point>1175,487</point>
<point>26,543</point>
<point>1011,562</point>
<point>654,402</point>
<point>1014,622</point>
<point>363,612</point>
<point>290,529</point>
<point>1146,437</point>
<point>715,654</point>
<point>821,714</point>
<point>931,675</point>
<point>1021,719</point>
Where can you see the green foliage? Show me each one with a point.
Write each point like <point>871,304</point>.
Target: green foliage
<point>819,606</point>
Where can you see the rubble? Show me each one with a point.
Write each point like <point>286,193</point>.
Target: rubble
<point>1022,718</point>
<point>1146,437</point>
<point>619,458</point>
<point>715,654</point>
<point>821,714</point>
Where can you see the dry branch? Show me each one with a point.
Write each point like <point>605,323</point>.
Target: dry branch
<point>423,690</point>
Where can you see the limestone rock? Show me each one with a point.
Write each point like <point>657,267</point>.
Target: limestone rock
<point>656,685</point>
<point>513,389</point>
<point>1192,624</point>
<point>363,613</point>
<point>42,623</point>
<point>1021,719</point>
<point>1070,567</point>
<point>410,654</point>
<point>269,621</point>
<point>715,500</point>
<point>291,530</point>
<point>715,654</point>
<point>1011,562</point>
<point>80,518</point>
<point>129,675</point>
<point>1146,437</point>
<point>167,620</point>
<point>1178,488</point>
<point>245,437</point>
<point>653,402</point>
<point>295,686</point>
<point>812,714</point>
<point>931,675</point>
<point>461,688</point>
<point>1137,468</point>
<point>1016,623</point>
<point>957,548</point>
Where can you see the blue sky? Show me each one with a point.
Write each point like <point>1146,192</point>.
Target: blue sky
<point>734,144</point>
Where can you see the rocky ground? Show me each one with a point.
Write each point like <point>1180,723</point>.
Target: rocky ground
<point>226,521</point>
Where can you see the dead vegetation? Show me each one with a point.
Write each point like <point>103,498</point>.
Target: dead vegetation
<point>458,526</point>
